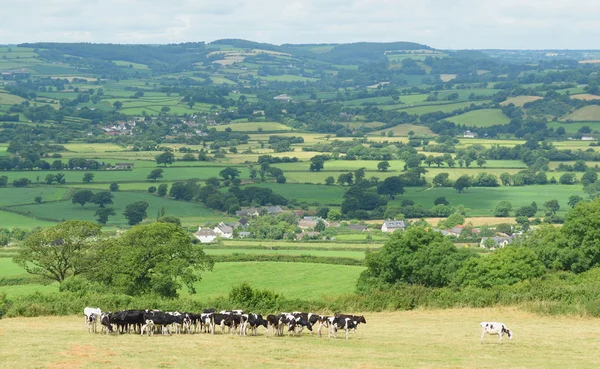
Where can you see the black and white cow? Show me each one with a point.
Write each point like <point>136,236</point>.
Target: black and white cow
<point>92,322</point>
<point>495,328</point>
<point>252,321</point>
<point>356,319</point>
<point>272,325</point>
<point>127,319</point>
<point>337,322</point>
<point>157,318</point>
<point>88,311</point>
<point>105,323</point>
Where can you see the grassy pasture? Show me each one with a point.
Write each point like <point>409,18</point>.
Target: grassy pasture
<point>445,108</point>
<point>403,129</point>
<point>573,127</point>
<point>254,127</point>
<point>585,97</point>
<point>11,220</point>
<point>410,339</point>
<point>520,100</point>
<point>482,201</point>
<point>189,212</point>
<point>274,245</point>
<point>481,118</point>
<point>587,113</point>
<point>8,99</point>
<point>26,195</point>
<point>138,174</point>
<point>123,63</point>
<point>337,254</point>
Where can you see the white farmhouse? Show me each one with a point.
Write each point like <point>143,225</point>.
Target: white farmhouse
<point>205,235</point>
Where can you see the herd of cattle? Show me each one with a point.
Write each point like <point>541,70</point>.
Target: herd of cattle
<point>237,322</point>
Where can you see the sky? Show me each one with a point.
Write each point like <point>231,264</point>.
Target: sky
<point>442,24</point>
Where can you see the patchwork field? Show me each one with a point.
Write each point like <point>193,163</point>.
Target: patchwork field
<point>481,118</point>
<point>587,113</point>
<point>388,340</point>
<point>521,100</point>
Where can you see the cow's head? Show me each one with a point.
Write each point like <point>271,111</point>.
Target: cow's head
<point>361,319</point>
<point>508,332</point>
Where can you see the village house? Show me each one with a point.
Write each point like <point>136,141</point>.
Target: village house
<point>468,134</point>
<point>223,231</point>
<point>205,235</point>
<point>390,226</point>
<point>311,222</point>
<point>124,165</point>
<point>358,227</point>
<point>587,138</point>
<point>496,242</point>
<point>283,98</point>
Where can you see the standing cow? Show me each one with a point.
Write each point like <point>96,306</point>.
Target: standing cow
<point>495,328</point>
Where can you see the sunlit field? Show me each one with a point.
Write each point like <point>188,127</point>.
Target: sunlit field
<point>413,339</point>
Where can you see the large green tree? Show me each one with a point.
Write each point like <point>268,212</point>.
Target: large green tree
<point>417,256</point>
<point>155,174</point>
<point>136,212</point>
<point>165,158</point>
<point>157,258</point>
<point>61,251</point>
<point>82,197</point>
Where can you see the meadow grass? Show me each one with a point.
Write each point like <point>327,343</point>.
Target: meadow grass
<point>189,212</point>
<point>520,100</point>
<point>587,113</point>
<point>445,108</point>
<point>254,127</point>
<point>411,339</point>
<point>321,253</point>
<point>8,99</point>
<point>481,118</point>
<point>10,220</point>
<point>483,200</point>
<point>403,129</point>
<point>293,280</point>
<point>277,244</point>
<point>137,174</point>
<point>27,195</point>
<point>573,127</point>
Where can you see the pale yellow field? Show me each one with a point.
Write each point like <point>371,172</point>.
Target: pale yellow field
<point>585,97</point>
<point>587,113</point>
<point>447,77</point>
<point>520,100</point>
<point>414,339</point>
<point>403,129</point>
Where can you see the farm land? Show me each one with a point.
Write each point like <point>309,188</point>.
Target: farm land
<point>237,117</point>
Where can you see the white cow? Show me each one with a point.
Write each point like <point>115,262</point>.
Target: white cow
<point>494,328</point>
<point>88,311</point>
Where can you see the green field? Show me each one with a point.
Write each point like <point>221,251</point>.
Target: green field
<point>587,113</point>
<point>254,127</point>
<point>10,220</point>
<point>279,244</point>
<point>388,340</point>
<point>482,201</point>
<point>27,195</point>
<point>300,252</point>
<point>573,127</point>
<point>481,118</point>
<point>191,213</point>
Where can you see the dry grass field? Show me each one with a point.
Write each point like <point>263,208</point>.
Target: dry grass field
<point>413,339</point>
<point>585,97</point>
<point>587,113</point>
<point>520,100</point>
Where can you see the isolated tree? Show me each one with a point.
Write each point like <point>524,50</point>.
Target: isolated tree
<point>117,105</point>
<point>359,174</point>
<point>60,251</point>
<point>229,173</point>
<point>281,179</point>
<point>38,199</point>
<point>155,174</point>
<point>165,109</point>
<point>329,180</point>
<point>441,180</point>
<point>317,163</point>
<point>136,212</point>
<point>60,178</point>
<point>481,162</point>
<point>162,189</point>
<point>441,201</point>
<point>390,187</point>
<point>165,261</point>
<point>3,181</point>
<point>50,178</point>
<point>152,189</point>
<point>102,198</point>
<point>463,182</point>
<point>114,187</point>
<point>551,206</point>
<point>88,177</point>
<point>574,200</point>
<point>383,166</point>
<point>165,158</point>
<point>82,197</point>
<point>102,214</point>
<point>345,178</point>
<point>503,209</point>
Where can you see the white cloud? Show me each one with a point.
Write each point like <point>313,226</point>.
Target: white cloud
<point>438,23</point>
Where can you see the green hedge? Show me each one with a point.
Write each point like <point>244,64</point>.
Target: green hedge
<point>287,259</point>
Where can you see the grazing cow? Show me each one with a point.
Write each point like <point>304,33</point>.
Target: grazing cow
<point>207,322</point>
<point>321,321</point>
<point>105,322</point>
<point>253,321</point>
<point>127,318</point>
<point>89,311</point>
<point>336,323</point>
<point>219,319</point>
<point>92,321</point>
<point>272,325</point>
<point>495,328</point>
<point>152,319</point>
<point>357,319</point>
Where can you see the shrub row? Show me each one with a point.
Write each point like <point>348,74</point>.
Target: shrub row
<point>287,258</point>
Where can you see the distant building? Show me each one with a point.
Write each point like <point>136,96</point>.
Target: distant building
<point>358,227</point>
<point>224,231</point>
<point>390,226</point>
<point>283,98</point>
<point>468,134</point>
<point>499,241</point>
<point>205,235</point>
<point>124,165</point>
<point>587,138</point>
